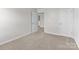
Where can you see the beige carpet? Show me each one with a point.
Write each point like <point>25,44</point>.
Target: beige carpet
<point>41,41</point>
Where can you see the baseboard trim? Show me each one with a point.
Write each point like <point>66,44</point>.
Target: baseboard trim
<point>59,35</point>
<point>1,43</point>
<point>77,42</point>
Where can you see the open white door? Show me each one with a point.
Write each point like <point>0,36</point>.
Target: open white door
<point>34,22</point>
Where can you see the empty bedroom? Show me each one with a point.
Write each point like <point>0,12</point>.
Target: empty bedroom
<point>39,28</point>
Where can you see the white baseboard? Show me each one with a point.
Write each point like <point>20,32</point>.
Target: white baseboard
<point>59,34</point>
<point>77,42</point>
<point>1,43</point>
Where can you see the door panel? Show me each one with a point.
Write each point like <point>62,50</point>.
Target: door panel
<point>34,22</point>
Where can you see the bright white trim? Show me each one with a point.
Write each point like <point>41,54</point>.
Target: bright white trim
<point>77,42</point>
<point>1,43</point>
<point>59,34</point>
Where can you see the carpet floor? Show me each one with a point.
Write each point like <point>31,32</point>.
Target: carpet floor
<point>41,41</point>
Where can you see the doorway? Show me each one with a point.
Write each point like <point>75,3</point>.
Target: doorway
<point>37,21</point>
<point>41,21</point>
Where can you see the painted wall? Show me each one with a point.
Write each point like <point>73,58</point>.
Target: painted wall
<point>14,22</point>
<point>59,21</point>
<point>40,10</point>
<point>76,25</point>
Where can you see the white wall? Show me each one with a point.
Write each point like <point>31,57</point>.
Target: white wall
<point>40,10</point>
<point>59,21</point>
<point>76,25</point>
<point>14,22</point>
